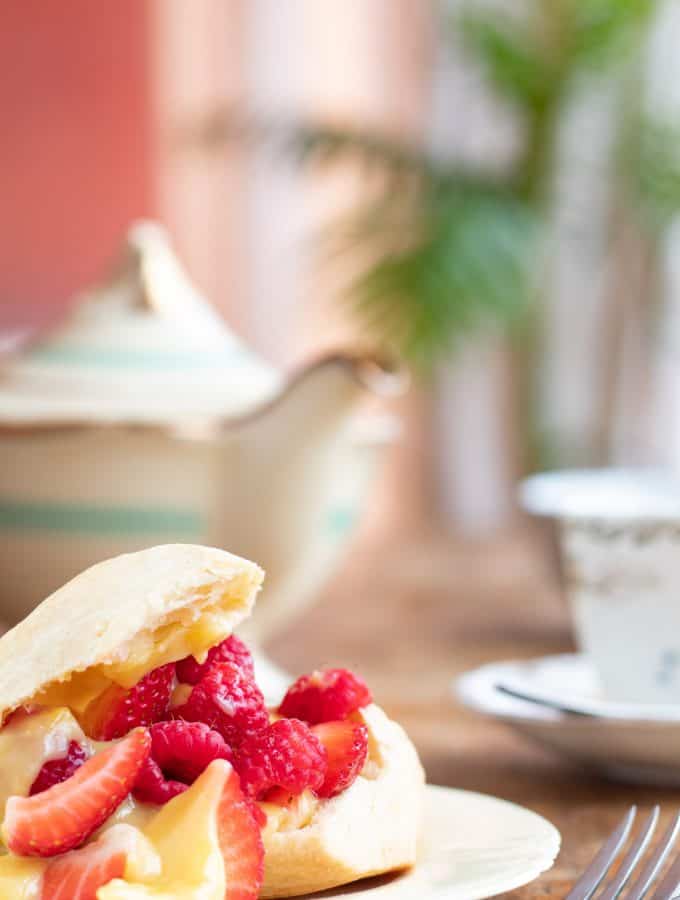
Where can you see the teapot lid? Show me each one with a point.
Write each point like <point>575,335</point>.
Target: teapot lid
<point>146,347</point>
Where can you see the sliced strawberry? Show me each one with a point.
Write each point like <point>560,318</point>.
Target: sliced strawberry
<point>346,744</point>
<point>117,711</point>
<point>79,874</point>
<point>66,814</point>
<point>240,842</point>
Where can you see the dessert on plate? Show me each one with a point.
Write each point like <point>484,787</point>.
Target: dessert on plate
<point>138,758</point>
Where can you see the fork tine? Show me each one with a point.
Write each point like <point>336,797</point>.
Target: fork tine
<point>656,860</point>
<point>588,883</point>
<point>632,858</point>
<point>669,884</point>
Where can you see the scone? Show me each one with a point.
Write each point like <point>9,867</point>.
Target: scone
<point>138,758</point>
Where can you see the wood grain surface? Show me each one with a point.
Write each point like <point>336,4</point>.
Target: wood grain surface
<point>411,611</point>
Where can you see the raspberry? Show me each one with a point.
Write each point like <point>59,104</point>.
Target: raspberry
<point>325,696</point>
<point>184,749</point>
<point>180,751</point>
<point>286,755</point>
<point>228,700</point>
<point>231,650</point>
<point>153,787</point>
<point>116,712</point>
<point>57,770</point>
<point>346,745</point>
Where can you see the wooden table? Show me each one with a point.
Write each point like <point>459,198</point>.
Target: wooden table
<point>412,611</point>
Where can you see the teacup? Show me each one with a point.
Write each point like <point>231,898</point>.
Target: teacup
<point>619,535</point>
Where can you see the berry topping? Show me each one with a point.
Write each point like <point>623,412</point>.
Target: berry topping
<point>346,745</point>
<point>240,843</point>
<point>231,650</point>
<point>117,711</point>
<point>180,751</point>
<point>65,815</point>
<point>57,770</point>
<point>325,696</point>
<point>228,700</point>
<point>286,755</point>
<point>153,787</point>
<point>78,875</point>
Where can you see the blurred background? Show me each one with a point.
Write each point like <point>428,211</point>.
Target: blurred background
<point>488,189</point>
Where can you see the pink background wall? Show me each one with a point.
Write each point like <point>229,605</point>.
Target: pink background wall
<point>75,145</point>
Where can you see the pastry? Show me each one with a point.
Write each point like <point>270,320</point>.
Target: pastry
<point>138,759</point>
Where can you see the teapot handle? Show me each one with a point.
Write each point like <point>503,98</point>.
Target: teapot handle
<point>334,381</point>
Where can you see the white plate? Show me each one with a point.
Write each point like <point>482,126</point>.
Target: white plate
<point>473,847</point>
<point>633,742</point>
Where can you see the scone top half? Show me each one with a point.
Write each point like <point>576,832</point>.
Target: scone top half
<point>120,619</point>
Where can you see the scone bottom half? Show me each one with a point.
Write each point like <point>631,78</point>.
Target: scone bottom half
<point>130,676</point>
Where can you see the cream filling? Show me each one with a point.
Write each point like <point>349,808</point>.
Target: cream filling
<point>188,631</point>
<point>131,812</point>
<point>297,814</point>
<point>180,830</point>
<point>29,741</point>
<point>21,878</point>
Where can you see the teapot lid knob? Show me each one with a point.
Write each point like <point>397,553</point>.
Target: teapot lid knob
<point>146,265</point>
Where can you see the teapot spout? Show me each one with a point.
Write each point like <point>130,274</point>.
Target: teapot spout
<point>299,460</point>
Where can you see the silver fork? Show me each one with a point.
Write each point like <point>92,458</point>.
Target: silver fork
<point>596,872</point>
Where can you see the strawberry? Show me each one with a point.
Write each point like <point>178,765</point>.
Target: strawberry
<point>240,842</point>
<point>346,744</point>
<point>325,696</point>
<point>66,814</point>
<point>232,650</point>
<point>79,874</point>
<point>117,711</point>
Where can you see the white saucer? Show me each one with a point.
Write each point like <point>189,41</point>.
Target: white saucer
<point>473,847</point>
<point>634,742</point>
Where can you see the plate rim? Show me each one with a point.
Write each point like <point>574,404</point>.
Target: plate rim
<point>440,843</point>
<point>542,865</point>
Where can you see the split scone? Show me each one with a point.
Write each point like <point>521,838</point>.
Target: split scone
<point>138,758</point>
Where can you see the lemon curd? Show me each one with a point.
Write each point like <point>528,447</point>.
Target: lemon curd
<point>20,878</point>
<point>29,741</point>
<point>187,632</point>
<point>185,834</point>
<point>131,812</point>
<point>296,814</point>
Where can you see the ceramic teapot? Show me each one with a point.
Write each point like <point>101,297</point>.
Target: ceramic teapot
<point>143,419</point>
